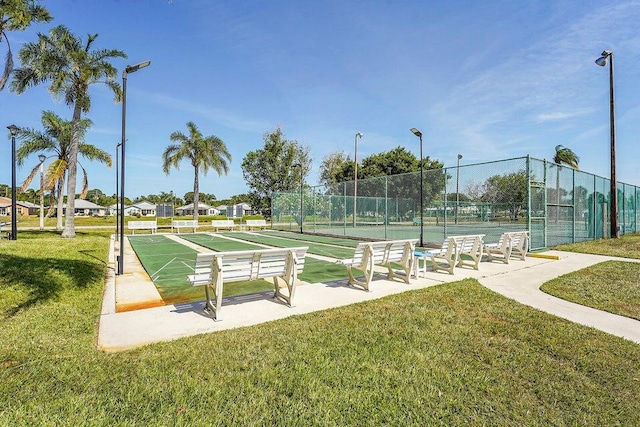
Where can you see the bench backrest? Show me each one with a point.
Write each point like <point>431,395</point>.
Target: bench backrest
<point>142,224</point>
<point>519,239</point>
<point>257,222</point>
<point>184,223</point>
<point>470,243</point>
<point>222,223</point>
<point>248,265</point>
<point>386,251</point>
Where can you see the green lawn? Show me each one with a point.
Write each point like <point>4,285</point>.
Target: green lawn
<point>455,354</point>
<point>612,286</point>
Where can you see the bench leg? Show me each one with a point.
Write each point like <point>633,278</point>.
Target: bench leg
<point>210,306</point>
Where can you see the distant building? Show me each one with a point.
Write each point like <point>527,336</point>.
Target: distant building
<point>85,208</point>
<point>22,208</point>
<point>203,209</point>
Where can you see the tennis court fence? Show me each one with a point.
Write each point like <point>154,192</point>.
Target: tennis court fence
<point>557,204</point>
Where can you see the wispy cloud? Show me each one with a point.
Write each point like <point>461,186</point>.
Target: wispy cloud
<point>225,118</point>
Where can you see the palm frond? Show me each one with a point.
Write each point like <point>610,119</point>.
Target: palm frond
<point>28,179</point>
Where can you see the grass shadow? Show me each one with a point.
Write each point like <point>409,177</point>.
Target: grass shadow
<point>43,279</point>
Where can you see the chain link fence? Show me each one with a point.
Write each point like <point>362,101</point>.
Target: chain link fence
<point>557,204</point>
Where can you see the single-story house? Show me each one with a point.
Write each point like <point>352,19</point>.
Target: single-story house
<point>203,209</point>
<point>86,208</point>
<point>22,208</point>
<point>142,208</point>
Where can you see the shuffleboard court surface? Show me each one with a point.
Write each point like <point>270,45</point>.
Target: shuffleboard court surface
<point>315,270</point>
<point>314,238</point>
<point>168,263</point>
<point>336,252</point>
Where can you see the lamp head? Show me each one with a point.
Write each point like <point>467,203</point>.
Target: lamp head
<point>42,157</point>
<point>602,61</point>
<point>459,156</point>
<point>416,132</point>
<point>13,129</point>
<point>133,68</point>
<point>360,134</point>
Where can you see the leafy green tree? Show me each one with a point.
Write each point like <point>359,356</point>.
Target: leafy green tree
<point>17,15</point>
<point>55,139</point>
<point>72,67</point>
<point>508,191</point>
<point>271,169</point>
<point>203,153</point>
<point>335,169</point>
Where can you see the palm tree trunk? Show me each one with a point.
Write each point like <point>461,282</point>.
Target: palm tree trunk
<point>69,225</point>
<point>60,186</point>
<point>196,195</point>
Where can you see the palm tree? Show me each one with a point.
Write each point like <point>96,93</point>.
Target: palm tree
<point>566,156</point>
<point>17,16</point>
<point>204,153</point>
<point>56,139</point>
<point>71,67</point>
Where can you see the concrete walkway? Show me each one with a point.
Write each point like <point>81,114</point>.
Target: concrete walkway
<point>519,280</point>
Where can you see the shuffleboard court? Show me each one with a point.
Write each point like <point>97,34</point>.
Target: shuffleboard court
<point>168,263</point>
<point>315,238</point>
<point>315,270</point>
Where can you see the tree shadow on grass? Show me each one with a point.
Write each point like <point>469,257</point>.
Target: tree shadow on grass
<point>45,278</point>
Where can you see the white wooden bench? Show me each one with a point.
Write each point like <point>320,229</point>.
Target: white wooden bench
<point>142,225</point>
<point>467,252</point>
<point>213,269</point>
<point>184,223</point>
<point>368,254</point>
<point>258,223</point>
<point>510,243</point>
<point>226,224</point>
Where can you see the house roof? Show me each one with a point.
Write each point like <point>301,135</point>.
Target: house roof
<point>190,206</point>
<point>144,205</point>
<point>85,204</point>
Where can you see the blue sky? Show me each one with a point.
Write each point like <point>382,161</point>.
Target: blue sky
<point>489,80</point>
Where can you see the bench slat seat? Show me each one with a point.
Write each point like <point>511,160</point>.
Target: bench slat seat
<point>510,243</point>
<point>385,253</point>
<point>213,269</point>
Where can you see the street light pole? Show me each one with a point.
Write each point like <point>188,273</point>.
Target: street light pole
<point>42,158</point>
<point>128,70</point>
<point>458,187</point>
<point>417,133</point>
<point>301,199</point>
<point>602,61</point>
<point>117,192</point>
<point>355,177</point>
<point>13,129</point>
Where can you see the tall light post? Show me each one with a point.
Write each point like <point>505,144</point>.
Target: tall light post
<point>13,129</point>
<point>458,186</point>
<point>128,70</point>
<point>355,177</point>
<point>42,158</point>
<point>299,165</point>
<point>417,133</point>
<point>602,61</point>
<point>117,191</point>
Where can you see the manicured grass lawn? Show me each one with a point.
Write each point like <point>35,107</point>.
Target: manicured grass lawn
<point>627,246</point>
<point>455,354</point>
<point>610,286</point>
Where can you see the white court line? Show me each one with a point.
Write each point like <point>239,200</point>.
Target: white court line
<point>162,268</point>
